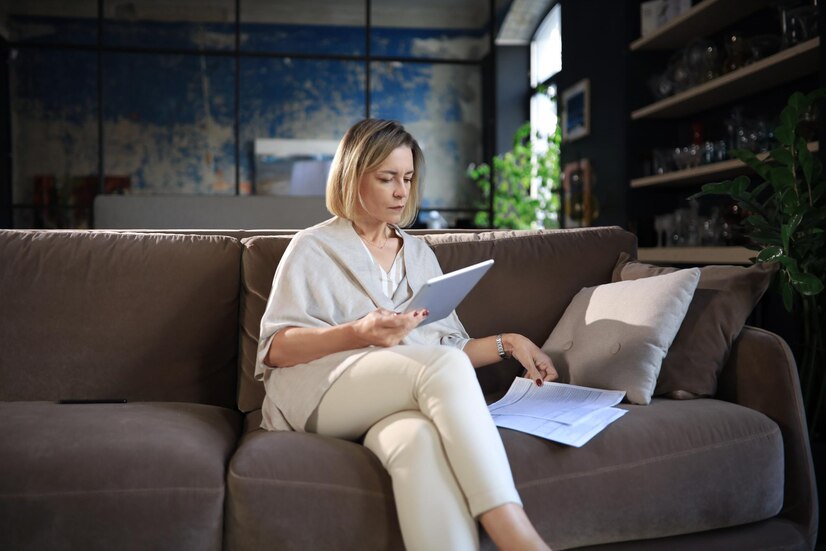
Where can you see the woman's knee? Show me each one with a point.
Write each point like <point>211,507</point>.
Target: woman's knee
<point>404,436</point>
<point>449,361</point>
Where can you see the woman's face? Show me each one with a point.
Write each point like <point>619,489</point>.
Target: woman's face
<point>385,190</point>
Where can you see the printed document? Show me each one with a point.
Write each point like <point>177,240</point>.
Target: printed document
<point>567,414</point>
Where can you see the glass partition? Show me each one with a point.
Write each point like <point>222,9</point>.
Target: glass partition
<point>315,27</point>
<point>308,103</point>
<point>54,134</point>
<point>430,29</point>
<point>233,96</point>
<point>183,24</point>
<point>441,105</point>
<point>50,22</point>
<point>169,123</point>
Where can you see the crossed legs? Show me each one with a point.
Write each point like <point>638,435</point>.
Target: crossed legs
<point>422,413</point>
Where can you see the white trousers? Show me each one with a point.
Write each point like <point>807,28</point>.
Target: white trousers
<point>421,411</point>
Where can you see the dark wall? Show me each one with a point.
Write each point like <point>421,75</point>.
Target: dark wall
<point>595,39</point>
<point>512,93</point>
<point>5,138</point>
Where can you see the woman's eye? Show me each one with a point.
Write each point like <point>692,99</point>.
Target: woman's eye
<point>408,181</point>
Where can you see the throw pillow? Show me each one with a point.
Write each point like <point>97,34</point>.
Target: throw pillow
<point>724,298</point>
<point>616,335</point>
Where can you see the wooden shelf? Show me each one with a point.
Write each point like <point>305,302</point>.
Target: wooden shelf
<point>781,67</point>
<point>701,20</point>
<point>696,255</point>
<point>705,173</point>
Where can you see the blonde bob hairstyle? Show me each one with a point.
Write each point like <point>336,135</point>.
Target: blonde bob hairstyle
<point>362,149</point>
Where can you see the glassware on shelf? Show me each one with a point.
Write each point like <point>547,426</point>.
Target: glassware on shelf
<point>752,134</point>
<point>692,224</point>
<point>664,225</point>
<point>659,228</point>
<point>799,23</point>
<point>661,85</point>
<point>665,160</point>
<point>662,161</point>
<point>733,124</point>
<point>678,72</point>
<point>738,53</point>
<point>710,232</point>
<point>687,227</point>
<point>732,232</point>
<point>713,152</point>
<point>763,45</point>
<point>687,157</point>
<point>702,62</point>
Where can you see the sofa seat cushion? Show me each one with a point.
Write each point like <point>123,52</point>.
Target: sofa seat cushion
<point>104,476</point>
<point>669,468</point>
<point>279,480</point>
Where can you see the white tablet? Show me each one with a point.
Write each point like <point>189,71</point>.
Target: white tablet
<point>442,294</point>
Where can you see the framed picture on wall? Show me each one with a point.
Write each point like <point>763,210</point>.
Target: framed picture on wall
<point>579,206</point>
<point>576,111</point>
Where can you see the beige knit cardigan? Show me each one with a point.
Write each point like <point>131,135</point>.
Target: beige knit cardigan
<point>325,278</point>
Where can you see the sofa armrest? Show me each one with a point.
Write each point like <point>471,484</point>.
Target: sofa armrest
<point>761,374</point>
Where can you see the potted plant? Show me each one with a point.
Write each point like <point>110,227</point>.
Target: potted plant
<point>787,225</point>
<point>526,168</point>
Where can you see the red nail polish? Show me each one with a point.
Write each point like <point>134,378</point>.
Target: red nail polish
<point>415,314</point>
<point>539,382</point>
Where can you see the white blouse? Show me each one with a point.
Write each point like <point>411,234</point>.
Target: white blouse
<point>391,279</point>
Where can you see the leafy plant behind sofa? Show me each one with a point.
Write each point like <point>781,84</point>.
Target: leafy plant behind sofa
<point>514,173</point>
<point>787,225</point>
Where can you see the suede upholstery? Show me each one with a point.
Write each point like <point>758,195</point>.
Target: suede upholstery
<point>119,315</point>
<point>615,336</point>
<point>104,476</point>
<point>170,321</point>
<point>724,298</point>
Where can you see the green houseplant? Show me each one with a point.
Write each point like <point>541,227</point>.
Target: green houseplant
<point>514,175</point>
<point>787,225</point>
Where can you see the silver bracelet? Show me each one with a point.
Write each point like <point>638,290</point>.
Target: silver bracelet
<point>500,347</point>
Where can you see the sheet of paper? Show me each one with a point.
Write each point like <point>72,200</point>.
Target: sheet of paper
<point>572,435</point>
<point>568,404</point>
<point>567,414</point>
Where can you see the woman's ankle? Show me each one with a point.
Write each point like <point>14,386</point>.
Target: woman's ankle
<point>511,529</point>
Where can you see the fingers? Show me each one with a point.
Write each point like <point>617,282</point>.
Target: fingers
<point>390,328</point>
<point>541,369</point>
<point>538,376</point>
<point>404,319</point>
<point>546,368</point>
<point>421,315</point>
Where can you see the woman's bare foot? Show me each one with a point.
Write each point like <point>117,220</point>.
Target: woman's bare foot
<point>511,530</point>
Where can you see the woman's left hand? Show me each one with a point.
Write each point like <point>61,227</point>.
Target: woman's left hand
<point>539,366</point>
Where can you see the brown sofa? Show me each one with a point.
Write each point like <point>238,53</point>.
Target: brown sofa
<point>169,321</point>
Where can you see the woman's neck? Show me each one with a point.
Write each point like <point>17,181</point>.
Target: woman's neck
<point>376,232</point>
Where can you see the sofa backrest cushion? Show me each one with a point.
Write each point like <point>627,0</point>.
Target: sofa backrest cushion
<point>534,279</point>
<point>96,315</point>
<point>536,275</point>
<point>259,259</point>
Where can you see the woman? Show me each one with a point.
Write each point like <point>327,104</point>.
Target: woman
<point>337,358</point>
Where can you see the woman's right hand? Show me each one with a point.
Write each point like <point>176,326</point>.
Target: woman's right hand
<point>384,328</point>
<point>297,345</point>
